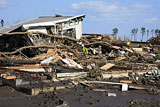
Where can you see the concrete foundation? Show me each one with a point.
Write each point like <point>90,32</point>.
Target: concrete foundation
<point>12,82</point>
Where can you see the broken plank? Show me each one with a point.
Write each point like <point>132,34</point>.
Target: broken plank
<point>10,77</point>
<point>120,59</point>
<point>126,71</point>
<point>28,47</point>
<point>125,81</point>
<point>107,66</point>
<point>25,67</point>
<point>73,74</point>
<point>137,87</point>
<point>116,47</point>
<point>129,50</point>
<point>158,91</point>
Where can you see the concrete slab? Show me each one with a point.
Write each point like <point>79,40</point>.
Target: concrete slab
<point>12,82</point>
<point>35,91</point>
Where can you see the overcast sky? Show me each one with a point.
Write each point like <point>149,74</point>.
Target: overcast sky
<point>101,15</point>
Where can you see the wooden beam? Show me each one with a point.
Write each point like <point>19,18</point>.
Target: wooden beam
<point>107,66</point>
<point>125,71</point>
<point>28,47</point>
<point>125,81</point>
<point>120,59</point>
<point>10,77</point>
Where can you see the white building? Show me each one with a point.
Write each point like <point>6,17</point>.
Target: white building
<point>60,25</point>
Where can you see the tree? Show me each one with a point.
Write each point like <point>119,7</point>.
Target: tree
<point>132,33</point>
<point>115,31</point>
<point>136,31</point>
<point>157,32</point>
<point>152,32</point>
<point>2,22</point>
<point>143,31</point>
<point>147,34</point>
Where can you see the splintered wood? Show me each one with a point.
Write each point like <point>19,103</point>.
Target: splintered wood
<point>120,59</point>
<point>107,66</point>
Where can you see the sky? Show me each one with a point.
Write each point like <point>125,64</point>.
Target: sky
<point>101,15</point>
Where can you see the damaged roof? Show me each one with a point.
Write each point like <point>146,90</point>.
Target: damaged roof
<point>38,20</point>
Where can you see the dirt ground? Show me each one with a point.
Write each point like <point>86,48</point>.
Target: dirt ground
<point>79,97</point>
<point>145,103</point>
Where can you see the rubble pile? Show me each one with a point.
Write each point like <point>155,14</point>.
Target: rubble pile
<point>50,59</point>
<point>155,40</point>
<point>95,57</point>
<point>69,52</point>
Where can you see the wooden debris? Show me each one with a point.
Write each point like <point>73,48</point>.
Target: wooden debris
<point>107,66</point>
<point>45,34</point>
<point>125,81</point>
<point>126,71</point>
<point>120,59</point>
<point>124,86</point>
<point>66,59</point>
<point>137,87</point>
<point>10,77</point>
<point>116,47</point>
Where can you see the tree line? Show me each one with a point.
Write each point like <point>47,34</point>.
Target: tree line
<point>143,31</point>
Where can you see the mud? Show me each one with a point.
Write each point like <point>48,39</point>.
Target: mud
<point>9,97</point>
<point>79,97</point>
<point>145,103</point>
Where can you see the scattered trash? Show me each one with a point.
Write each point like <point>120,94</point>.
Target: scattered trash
<point>155,71</point>
<point>39,62</point>
<point>47,61</point>
<point>112,94</point>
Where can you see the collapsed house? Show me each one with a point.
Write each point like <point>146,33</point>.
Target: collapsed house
<point>59,25</point>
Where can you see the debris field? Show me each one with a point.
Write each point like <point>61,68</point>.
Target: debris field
<point>69,72</point>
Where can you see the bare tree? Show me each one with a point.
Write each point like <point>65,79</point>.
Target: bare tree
<point>157,32</point>
<point>135,33</point>
<point>152,32</point>
<point>147,34</point>
<point>143,31</point>
<point>115,31</point>
<point>132,33</point>
<point>2,22</point>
